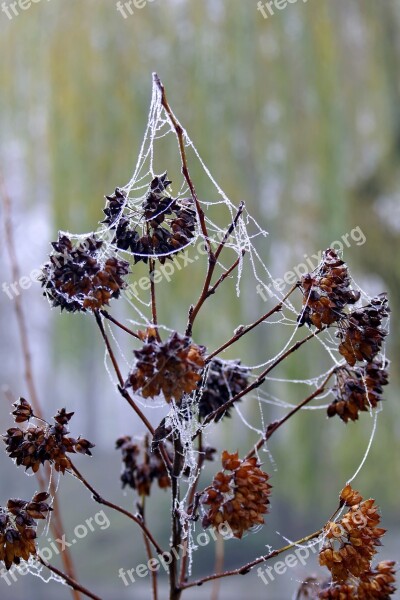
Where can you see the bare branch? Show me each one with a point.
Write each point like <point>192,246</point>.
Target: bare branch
<point>56,522</point>
<point>98,498</point>
<point>277,424</point>
<point>69,580</point>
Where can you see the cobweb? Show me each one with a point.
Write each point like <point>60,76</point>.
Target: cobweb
<point>35,568</point>
<point>159,153</point>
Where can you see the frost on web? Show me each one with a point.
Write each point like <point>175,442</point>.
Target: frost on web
<point>37,569</point>
<point>158,218</point>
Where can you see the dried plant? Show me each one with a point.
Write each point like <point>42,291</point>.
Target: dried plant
<point>239,498</point>
<point>349,545</point>
<point>199,387</point>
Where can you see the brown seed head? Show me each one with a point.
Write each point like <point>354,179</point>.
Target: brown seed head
<point>361,333</point>
<point>18,528</point>
<point>240,497</point>
<point>142,466</point>
<point>172,367</point>
<point>326,292</point>
<point>76,278</point>
<point>358,389</point>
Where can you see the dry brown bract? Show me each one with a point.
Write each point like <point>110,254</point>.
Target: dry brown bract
<point>373,585</point>
<point>169,224</point>
<point>361,333</point>
<point>18,528</point>
<point>326,292</point>
<point>223,380</point>
<point>77,279</point>
<point>378,583</point>
<point>142,466</point>
<point>240,497</point>
<point>358,389</point>
<point>23,411</point>
<point>43,442</point>
<point>172,367</point>
<point>350,544</point>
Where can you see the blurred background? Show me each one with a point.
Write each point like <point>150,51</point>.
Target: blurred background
<point>298,115</point>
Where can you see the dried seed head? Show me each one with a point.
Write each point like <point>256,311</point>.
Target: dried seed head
<point>358,389</point>
<point>168,224</point>
<point>351,543</point>
<point>142,466</point>
<point>115,206</point>
<point>18,528</point>
<point>77,278</point>
<point>23,411</point>
<point>326,292</point>
<point>374,584</point>
<point>172,367</point>
<point>350,497</point>
<point>222,381</point>
<point>361,333</point>
<point>37,444</point>
<point>240,497</point>
<point>377,584</point>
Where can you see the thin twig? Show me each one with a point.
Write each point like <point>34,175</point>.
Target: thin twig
<point>69,580</point>
<point>207,291</point>
<point>16,275</point>
<point>56,522</point>
<point>109,348</point>
<point>243,330</point>
<point>153,292</point>
<point>124,392</point>
<point>247,568</point>
<point>191,505</point>
<point>149,552</point>
<point>277,424</point>
<point>180,134</point>
<point>212,258</point>
<point>117,370</point>
<point>230,230</point>
<point>260,379</point>
<point>107,315</point>
<point>98,498</point>
<point>226,274</point>
<point>176,536</point>
<point>153,573</point>
<point>219,565</point>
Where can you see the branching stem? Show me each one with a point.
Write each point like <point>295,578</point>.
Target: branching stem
<point>69,580</point>
<point>107,315</point>
<point>98,498</point>
<point>180,134</point>
<point>243,330</point>
<point>247,567</point>
<point>207,290</point>
<point>191,505</point>
<point>277,424</point>
<point>149,551</point>
<point>260,379</point>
